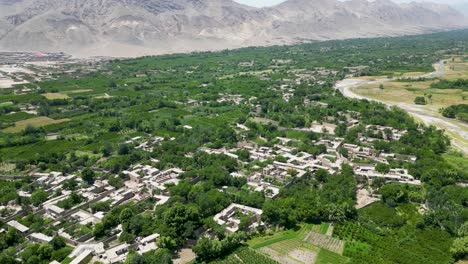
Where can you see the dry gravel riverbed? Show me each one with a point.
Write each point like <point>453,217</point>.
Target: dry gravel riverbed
<point>454,128</point>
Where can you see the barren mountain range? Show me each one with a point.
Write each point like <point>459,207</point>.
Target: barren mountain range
<point>138,27</point>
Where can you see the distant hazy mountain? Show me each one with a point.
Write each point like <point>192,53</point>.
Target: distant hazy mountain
<point>137,27</point>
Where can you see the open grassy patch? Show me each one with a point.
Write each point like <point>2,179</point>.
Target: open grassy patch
<point>322,228</point>
<point>292,251</point>
<point>6,104</point>
<point>406,92</point>
<point>403,93</point>
<point>15,117</point>
<point>80,153</point>
<point>329,257</point>
<point>78,91</point>
<point>326,242</point>
<point>35,121</point>
<point>286,246</point>
<point>456,69</point>
<point>7,167</point>
<point>266,240</point>
<point>54,96</point>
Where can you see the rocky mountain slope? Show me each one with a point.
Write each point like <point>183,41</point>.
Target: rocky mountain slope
<point>137,27</point>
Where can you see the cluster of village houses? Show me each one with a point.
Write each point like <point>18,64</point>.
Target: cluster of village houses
<point>284,164</point>
<point>109,251</point>
<point>144,181</point>
<point>296,164</point>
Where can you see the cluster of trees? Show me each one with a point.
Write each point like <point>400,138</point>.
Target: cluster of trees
<point>456,111</point>
<point>127,215</point>
<point>56,250</point>
<point>7,242</point>
<point>8,192</point>
<point>160,256</point>
<point>447,84</point>
<point>72,200</point>
<point>420,100</point>
<point>305,202</point>
<point>460,244</point>
<point>38,197</point>
<point>383,234</point>
<point>209,249</point>
<point>29,135</point>
<point>393,194</point>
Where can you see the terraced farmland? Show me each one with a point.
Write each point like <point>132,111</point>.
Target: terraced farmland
<point>284,247</point>
<point>310,244</point>
<point>293,251</point>
<point>322,228</point>
<point>326,242</point>
<point>246,256</point>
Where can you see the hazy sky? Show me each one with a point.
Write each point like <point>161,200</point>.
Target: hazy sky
<point>261,3</point>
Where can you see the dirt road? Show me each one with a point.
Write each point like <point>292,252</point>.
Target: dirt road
<point>456,129</point>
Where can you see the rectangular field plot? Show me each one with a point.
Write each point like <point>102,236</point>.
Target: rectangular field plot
<point>263,241</point>
<point>35,122</point>
<point>329,257</point>
<point>292,251</point>
<point>286,246</point>
<point>54,96</point>
<point>326,242</point>
<point>322,228</point>
<point>15,117</point>
<point>245,256</point>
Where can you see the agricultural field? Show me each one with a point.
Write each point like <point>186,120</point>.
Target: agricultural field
<point>329,257</point>
<point>6,104</point>
<point>35,122</point>
<point>271,238</point>
<point>15,117</point>
<point>299,246</point>
<point>245,256</point>
<point>403,91</point>
<point>405,88</point>
<point>365,245</point>
<point>322,228</point>
<point>294,251</point>
<point>78,91</point>
<point>204,141</point>
<point>456,67</point>
<point>55,96</point>
<point>327,242</point>
<point>406,92</point>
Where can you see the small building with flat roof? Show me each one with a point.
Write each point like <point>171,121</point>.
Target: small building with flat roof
<point>40,238</point>
<point>16,225</point>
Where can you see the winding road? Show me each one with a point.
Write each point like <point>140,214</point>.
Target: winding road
<point>456,129</point>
